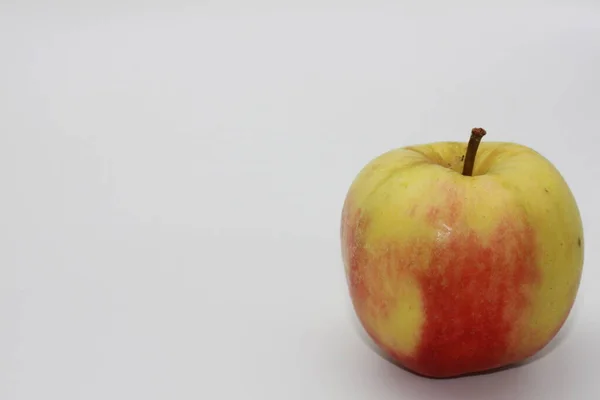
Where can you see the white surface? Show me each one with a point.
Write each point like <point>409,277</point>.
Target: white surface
<point>173,175</point>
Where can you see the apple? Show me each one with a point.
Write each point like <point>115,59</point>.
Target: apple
<point>461,258</point>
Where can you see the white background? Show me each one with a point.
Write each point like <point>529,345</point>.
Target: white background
<point>172,176</point>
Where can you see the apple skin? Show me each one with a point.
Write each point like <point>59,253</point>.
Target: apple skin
<point>451,274</point>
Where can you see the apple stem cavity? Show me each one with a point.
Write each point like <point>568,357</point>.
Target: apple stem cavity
<point>476,135</point>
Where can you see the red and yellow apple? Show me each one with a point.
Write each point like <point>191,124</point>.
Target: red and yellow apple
<point>461,258</point>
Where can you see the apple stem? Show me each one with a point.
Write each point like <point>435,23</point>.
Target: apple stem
<point>476,135</point>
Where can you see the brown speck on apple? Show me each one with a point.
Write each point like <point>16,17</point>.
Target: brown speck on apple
<point>546,190</point>
<point>579,241</point>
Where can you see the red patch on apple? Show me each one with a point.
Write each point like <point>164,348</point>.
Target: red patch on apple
<point>353,226</point>
<point>472,293</point>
